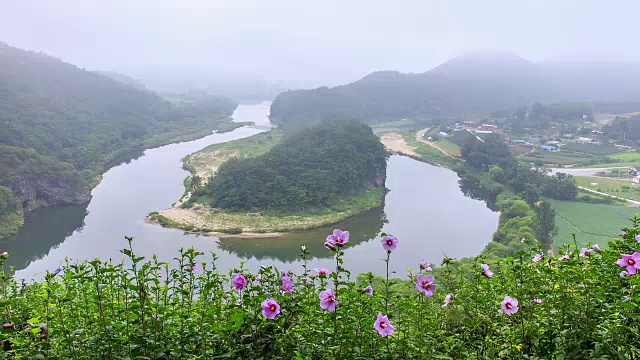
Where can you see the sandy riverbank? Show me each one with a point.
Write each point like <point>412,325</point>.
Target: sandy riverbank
<point>396,143</point>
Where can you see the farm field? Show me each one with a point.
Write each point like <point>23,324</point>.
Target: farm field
<point>592,223</point>
<point>560,157</point>
<point>449,147</point>
<point>595,149</point>
<point>626,156</point>
<point>621,188</point>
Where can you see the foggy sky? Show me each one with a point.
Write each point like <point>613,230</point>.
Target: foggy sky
<point>309,42</point>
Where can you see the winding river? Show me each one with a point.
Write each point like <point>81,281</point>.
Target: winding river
<point>425,209</point>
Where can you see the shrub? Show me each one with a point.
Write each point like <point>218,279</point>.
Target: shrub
<point>571,305</point>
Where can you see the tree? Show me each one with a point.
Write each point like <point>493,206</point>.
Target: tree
<point>545,223</point>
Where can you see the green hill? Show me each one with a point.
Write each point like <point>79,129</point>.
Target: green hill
<point>478,83</point>
<point>61,127</point>
<point>307,170</point>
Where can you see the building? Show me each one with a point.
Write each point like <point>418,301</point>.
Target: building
<point>584,140</point>
<point>549,148</point>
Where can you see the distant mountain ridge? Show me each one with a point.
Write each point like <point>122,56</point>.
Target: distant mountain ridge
<point>477,83</point>
<point>124,79</point>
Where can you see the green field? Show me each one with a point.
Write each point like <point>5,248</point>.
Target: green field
<point>592,223</point>
<point>399,123</point>
<point>448,146</point>
<point>626,156</point>
<point>428,153</point>
<point>603,183</point>
<point>559,157</point>
<point>595,149</point>
<point>620,188</point>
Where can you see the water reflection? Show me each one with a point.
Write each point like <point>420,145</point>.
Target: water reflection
<point>362,228</point>
<point>43,230</point>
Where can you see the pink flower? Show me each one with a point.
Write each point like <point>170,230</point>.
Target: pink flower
<point>585,252</point>
<point>564,257</point>
<point>596,248</point>
<point>537,301</point>
<point>338,237</point>
<point>284,273</point>
<point>522,240</point>
<point>368,290</point>
<point>485,271</point>
<point>389,242</point>
<point>239,282</point>
<point>287,285</point>
<point>510,305</point>
<point>447,300</point>
<point>270,308</point>
<point>537,258</point>
<point>322,271</point>
<point>383,326</point>
<point>624,274</point>
<point>193,268</point>
<point>328,300</point>
<point>329,246</point>
<point>638,238</point>
<point>260,277</point>
<point>425,285</point>
<point>425,265</point>
<point>630,262</point>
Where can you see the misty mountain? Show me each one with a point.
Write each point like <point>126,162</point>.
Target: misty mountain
<point>179,79</point>
<point>62,126</point>
<point>124,79</point>
<point>477,83</point>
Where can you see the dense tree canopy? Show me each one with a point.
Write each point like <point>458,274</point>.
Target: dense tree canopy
<point>63,125</point>
<point>309,169</point>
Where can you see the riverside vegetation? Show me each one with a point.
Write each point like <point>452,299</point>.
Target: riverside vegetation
<point>61,127</point>
<point>280,182</point>
<point>573,304</point>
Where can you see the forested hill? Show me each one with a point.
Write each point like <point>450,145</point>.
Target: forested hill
<point>62,126</point>
<point>310,169</point>
<point>478,83</point>
<point>124,79</point>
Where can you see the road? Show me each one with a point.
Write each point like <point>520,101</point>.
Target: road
<point>632,203</point>
<point>583,171</point>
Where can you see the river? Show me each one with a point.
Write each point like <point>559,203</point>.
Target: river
<point>424,208</point>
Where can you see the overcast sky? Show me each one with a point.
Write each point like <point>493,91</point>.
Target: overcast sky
<point>314,42</point>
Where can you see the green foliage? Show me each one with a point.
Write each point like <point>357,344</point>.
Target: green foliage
<point>188,310</point>
<point>309,169</point>
<point>593,222</point>
<point>545,223</point>
<point>63,126</point>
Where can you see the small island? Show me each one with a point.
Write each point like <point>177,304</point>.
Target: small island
<point>281,181</point>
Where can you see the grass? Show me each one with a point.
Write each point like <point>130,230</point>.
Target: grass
<point>626,156</point>
<point>595,223</point>
<point>620,188</point>
<point>206,161</point>
<point>399,123</point>
<point>603,183</point>
<point>449,147</point>
<point>238,222</point>
<point>595,149</point>
<point>427,153</point>
<point>560,157</point>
